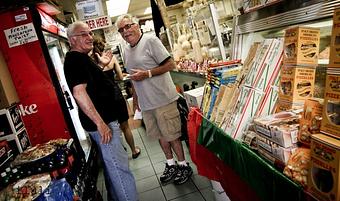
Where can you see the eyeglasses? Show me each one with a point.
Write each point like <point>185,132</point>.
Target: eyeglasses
<point>126,27</point>
<point>84,34</point>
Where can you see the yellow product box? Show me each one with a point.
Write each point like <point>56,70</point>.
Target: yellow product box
<point>334,56</point>
<point>301,46</point>
<point>296,84</point>
<point>336,15</point>
<point>324,175</point>
<point>331,112</point>
<point>310,121</point>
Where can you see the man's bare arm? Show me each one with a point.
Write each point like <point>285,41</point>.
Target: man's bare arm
<point>86,105</point>
<point>139,75</point>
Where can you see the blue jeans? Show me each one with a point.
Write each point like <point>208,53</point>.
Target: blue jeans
<point>119,180</point>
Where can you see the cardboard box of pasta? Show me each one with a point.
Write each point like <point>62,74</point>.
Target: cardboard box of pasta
<point>310,121</point>
<point>296,84</point>
<point>324,175</point>
<point>280,128</point>
<point>275,150</point>
<point>334,56</point>
<point>330,123</point>
<point>301,46</point>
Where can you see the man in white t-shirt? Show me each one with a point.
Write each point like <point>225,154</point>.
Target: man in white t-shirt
<point>149,63</point>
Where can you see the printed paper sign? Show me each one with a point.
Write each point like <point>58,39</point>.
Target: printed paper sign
<point>20,35</point>
<point>89,9</point>
<point>99,22</point>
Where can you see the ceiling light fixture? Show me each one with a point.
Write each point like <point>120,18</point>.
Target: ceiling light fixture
<point>115,9</point>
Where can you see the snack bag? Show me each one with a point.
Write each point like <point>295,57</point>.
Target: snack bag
<point>298,166</point>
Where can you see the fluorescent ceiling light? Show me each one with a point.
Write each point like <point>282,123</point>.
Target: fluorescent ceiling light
<point>147,10</point>
<point>115,9</point>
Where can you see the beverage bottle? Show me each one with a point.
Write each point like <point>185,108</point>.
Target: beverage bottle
<point>4,180</point>
<point>15,175</point>
<point>9,174</point>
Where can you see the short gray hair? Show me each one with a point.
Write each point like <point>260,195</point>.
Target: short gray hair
<point>72,27</point>
<point>126,16</point>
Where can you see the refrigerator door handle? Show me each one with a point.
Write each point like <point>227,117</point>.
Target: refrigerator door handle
<point>68,100</point>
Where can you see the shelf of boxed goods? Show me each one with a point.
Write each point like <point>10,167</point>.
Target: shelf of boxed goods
<point>12,130</point>
<point>280,169</point>
<point>243,174</point>
<point>232,98</point>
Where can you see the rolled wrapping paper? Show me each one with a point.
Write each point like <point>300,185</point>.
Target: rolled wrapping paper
<point>196,47</point>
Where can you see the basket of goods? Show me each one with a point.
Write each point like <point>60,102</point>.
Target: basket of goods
<point>26,189</point>
<point>38,159</point>
<point>36,153</point>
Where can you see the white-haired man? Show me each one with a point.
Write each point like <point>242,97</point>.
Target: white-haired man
<point>94,94</point>
<point>149,63</point>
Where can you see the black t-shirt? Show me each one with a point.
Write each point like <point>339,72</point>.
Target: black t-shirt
<point>118,93</point>
<point>80,69</point>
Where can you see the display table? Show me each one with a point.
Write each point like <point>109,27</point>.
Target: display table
<point>242,173</point>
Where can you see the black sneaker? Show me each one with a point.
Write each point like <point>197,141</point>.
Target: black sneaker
<point>169,173</point>
<point>183,174</point>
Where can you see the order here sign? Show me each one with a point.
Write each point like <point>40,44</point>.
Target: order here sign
<point>99,22</point>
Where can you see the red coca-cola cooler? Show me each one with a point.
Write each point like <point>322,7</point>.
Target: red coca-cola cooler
<point>33,44</point>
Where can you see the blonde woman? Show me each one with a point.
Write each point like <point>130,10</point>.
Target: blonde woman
<point>111,70</point>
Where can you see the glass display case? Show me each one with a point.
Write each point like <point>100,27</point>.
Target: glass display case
<point>271,21</point>
<point>210,23</point>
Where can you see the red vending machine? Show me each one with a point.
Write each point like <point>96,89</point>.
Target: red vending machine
<point>33,44</point>
<point>23,45</point>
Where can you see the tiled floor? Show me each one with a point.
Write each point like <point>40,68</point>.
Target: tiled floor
<point>148,167</point>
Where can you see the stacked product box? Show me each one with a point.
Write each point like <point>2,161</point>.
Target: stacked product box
<point>5,152</point>
<point>324,175</point>
<point>334,57</point>
<point>331,112</point>
<point>12,129</point>
<point>330,124</point>
<point>256,95</point>
<point>301,48</point>
<point>310,121</point>
<point>277,135</point>
<point>194,97</point>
